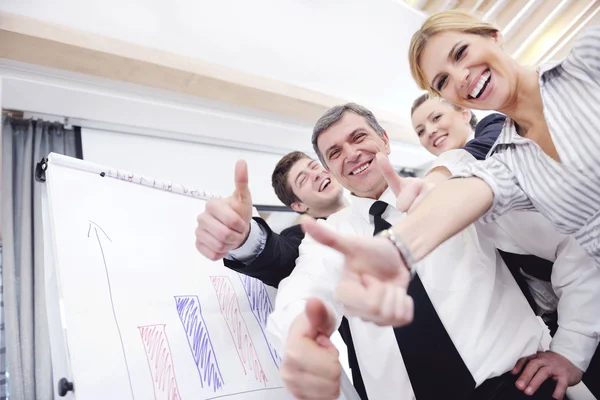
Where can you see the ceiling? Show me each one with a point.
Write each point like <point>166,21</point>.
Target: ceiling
<point>535,31</point>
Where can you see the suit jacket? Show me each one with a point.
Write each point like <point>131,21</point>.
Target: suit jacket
<point>278,258</point>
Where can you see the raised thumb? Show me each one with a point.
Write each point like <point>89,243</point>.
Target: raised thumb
<point>389,173</point>
<point>242,192</point>
<point>319,318</point>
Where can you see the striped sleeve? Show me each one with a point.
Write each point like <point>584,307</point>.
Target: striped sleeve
<point>508,195</point>
<point>585,54</point>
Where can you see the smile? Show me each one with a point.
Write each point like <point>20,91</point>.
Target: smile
<point>324,184</point>
<point>481,85</point>
<point>361,169</point>
<point>439,140</point>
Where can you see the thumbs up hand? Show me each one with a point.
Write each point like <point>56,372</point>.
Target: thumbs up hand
<point>311,368</point>
<point>374,282</point>
<point>241,199</point>
<point>225,223</point>
<point>409,191</point>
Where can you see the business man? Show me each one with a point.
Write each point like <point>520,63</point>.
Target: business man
<point>472,347</point>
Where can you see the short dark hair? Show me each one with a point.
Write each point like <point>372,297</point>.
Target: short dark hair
<point>426,96</point>
<point>280,174</point>
<point>336,113</point>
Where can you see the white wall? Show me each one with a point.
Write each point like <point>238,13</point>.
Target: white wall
<point>114,106</point>
<point>353,49</point>
<point>195,165</point>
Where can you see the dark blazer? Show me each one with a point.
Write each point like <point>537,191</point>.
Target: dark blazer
<point>486,134</point>
<point>277,260</point>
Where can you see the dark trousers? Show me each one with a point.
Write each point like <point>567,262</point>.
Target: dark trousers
<point>536,266</point>
<point>503,388</point>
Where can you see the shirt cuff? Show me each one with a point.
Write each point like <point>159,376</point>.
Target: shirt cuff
<point>280,321</point>
<point>453,160</point>
<point>575,347</point>
<point>252,247</point>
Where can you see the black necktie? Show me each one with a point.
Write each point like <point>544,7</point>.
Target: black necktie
<point>435,368</point>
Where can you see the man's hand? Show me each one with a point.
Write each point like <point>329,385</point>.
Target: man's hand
<point>225,223</point>
<point>311,368</point>
<point>385,303</point>
<point>542,366</point>
<point>409,191</point>
<point>382,303</point>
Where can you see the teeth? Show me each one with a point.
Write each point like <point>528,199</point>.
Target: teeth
<point>439,140</point>
<point>360,169</point>
<point>482,81</point>
<point>324,184</point>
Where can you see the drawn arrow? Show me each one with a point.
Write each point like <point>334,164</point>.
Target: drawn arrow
<point>94,230</point>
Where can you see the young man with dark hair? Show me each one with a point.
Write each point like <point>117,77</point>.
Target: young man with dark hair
<point>249,246</point>
<point>227,230</point>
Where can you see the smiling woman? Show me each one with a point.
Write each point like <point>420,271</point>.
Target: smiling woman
<point>441,125</point>
<point>460,57</point>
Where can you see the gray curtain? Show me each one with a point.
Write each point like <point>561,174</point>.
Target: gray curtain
<point>24,143</point>
<point>3,385</point>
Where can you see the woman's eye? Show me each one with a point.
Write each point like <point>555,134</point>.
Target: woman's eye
<point>436,118</point>
<point>460,53</point>
<point>441,83</point>
<point>420,132</point>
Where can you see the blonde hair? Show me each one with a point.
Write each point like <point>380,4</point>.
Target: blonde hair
<point>451,20</point>
<point>428,96</point>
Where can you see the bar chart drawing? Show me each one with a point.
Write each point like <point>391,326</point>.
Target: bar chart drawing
<point>160,362</point>
<point>261,307</point>
<point>238,329</point>
<point>203,353</point>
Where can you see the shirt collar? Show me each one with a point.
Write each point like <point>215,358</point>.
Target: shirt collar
<point>546,67</point>
<point>361,205</point>
<point>509,132</point>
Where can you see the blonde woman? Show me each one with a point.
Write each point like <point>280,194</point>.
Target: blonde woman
<point>546,157</point>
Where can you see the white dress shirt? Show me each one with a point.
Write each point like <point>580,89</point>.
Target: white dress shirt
<point>476,297</point>
<point>575,278</point>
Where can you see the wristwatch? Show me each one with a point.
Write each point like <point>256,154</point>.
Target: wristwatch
<point>405,253</point>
